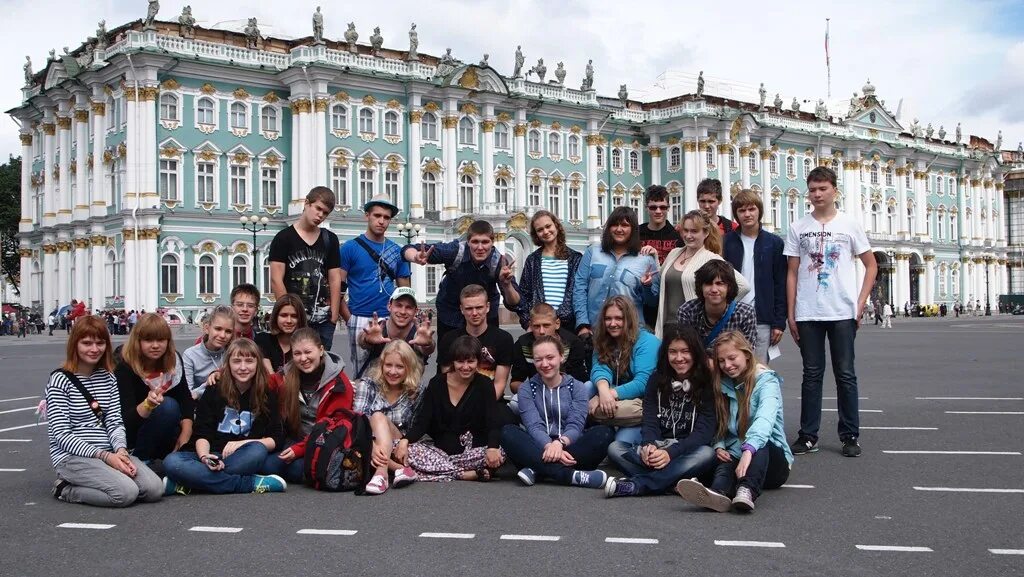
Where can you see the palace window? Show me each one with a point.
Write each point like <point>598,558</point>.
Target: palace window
<point>891,219</point>
<point>791,167</point>
<point>616,159</point>
<point>467,193</point>
<point>600,206</point>
<point>773,164</point>
<point>634,161</point>
<point>266,275</point>
<point>574,202</point>
<point>168,179</point>
<point>876,215</point>
<point>269,186</point>
<point>938,185</point>
<point>339,182</point>
<point>429,191</point>
<point>367,121</point>
<point>239,185</point>
<point>239,270</point>
<point>874,173</point>
<point>239,116</point>
<point>533,195</point>
<point>433,274</point>
<point>169,274</point>
<point>554,144</point>
<point>467,131</point>
<point>910,218</point>
<point>339,117</point>
<point>752,162</point>
<point>775,217</point>
<point>205,191</point>
<point>206,275</point>
<point>791,212</point>
<point>888,175</point>
<point>501,192</point>
<point>205,111</point>
<point>574,146</point>
<point>501,136</point>
<point>268,119</point>
<point>807,166</point>
<point>169,107</point>
<point>675,158</point>
<point>599,156</point>
<point>391,123</point>
<point>709,156</point>
<point>428,127</point>
<point>391,178</point>
<point>733,160</point>
<point>555,197</point>
<point>367,179</point>
<point>533,142</point>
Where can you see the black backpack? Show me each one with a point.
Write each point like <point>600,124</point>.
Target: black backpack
<point>338,453</point>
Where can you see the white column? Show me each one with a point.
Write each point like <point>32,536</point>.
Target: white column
<point>99,254</point>
<point>990,227</point>
<point>654,148</point>
<point>98,194</point>
<point>319,160</point>
<point>64,170</point>
<point>690,162</point>
<point>63,267</point>
<point>979,279</point>
<point>132,162</point>
<point>961,210</point>
<point>79,287</point>
<point>81,202</point>
<point>929,280</point>
<point>519,144</point>
<point>487,158</point>
<point>298,194</point>
<point>744,167</point>
<point>900,281</point>
<point>850,184</point>
<point>1000,224</point>
<point>593,206</point>
<point>27,212</point>
<point>993,285</point>
<point>724,175</point>
<point>148,154</point>
<point>28,283</point>
<point>49,152</point>
<point>131,274</point>
<point>414,171</point>
<point>965,288</point>
<point>49,296</point>
<point>702,163</point>
<point>901,199</point>
<point>149,268</point>
<point>766,180</point>
<point>451,166</point>
<point>920,200</point>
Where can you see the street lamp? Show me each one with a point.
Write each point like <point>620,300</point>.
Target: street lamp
<point>988,304</point>
<point>892,269</point>
<point>408,230</point>
<point>253,224</point>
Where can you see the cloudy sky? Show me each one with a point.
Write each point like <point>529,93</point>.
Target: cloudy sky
<point>947,60</point>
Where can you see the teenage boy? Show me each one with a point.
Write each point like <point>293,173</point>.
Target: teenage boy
<point>658,234</point>
<point>401,323</point>
<point>824,301</point>
<point>757,255</point>
<point>544,321</point>
<point>305,261</point>
<point>245,301</point>
<point>474,261</point>
<point>371,268</point>
<point>709,198</point>
<point>496,352</point>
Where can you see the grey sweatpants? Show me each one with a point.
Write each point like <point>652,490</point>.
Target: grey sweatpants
<point>93,482</point>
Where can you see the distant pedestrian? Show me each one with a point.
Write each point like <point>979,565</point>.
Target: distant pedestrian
<point>887,316</point>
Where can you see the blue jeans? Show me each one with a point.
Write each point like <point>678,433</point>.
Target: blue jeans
<point>768,469</point>
<point>236,476</point>
<point>326,331</point>
<point>589,450</point>
<point>157,434</point>
<point>623,434</point>
<point>693,464</point>
<point>841,335</point>
<point>274,465</point>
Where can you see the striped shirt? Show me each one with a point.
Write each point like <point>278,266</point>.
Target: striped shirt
<point>555,275</point>
<point>71,424</point>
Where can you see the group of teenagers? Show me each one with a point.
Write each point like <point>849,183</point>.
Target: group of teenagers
<point>649,349</point>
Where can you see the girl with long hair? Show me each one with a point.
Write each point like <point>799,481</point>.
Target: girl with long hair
<point>549,272</point>
<point>679,421</point>
<point>751,448</point>
<point>205,357</point>
<point>238,423</point>
<point>288,316</point>
<point>88,446</point>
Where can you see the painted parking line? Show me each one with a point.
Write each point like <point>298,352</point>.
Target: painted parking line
<point>799,486</point>
<point>85,526</point>
<point>860,411</point>
<point>952,452</point>
<point>1006,551</point>
<point>15,440</point>
<point>969,398</point>
<point>22,409</point>
<point>985,412</point>
<point>19,399</point>
<point>12,470</point>
<point>530,538</point>
<point>326,532</point>
<point>23,427</point>
<point>448,535</point>
<point>967,490</point>
<point>766,544</point>
<point>208,529</point>
<point>901,428</point>
<point>631,540</point>
<point>896,548</point>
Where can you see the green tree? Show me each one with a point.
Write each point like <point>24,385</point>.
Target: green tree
<point>10,214</point>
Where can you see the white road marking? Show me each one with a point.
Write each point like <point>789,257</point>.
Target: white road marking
<point>799,486</point>
<point>12,470</point>
<point>1006,551</point>
<point>898,548</point>
<point>901,428</point>
<point>860,411</point>
<point>952,452</point>
<point>631,540</point>
<point>23,427</point>
<point>969,398</point>
<point>19,399</point>
<point>206,529</point>
<point>967,490</point>
<point>768,544</point>
<point>326,532</point>
<point>15,440</point>
<point>985,412</point>
<point>448,535</point>
<point>17,410</point>
<point>85,526</point>
<point>530,538</point>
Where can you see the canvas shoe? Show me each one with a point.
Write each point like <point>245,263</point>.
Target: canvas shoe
<point>744,499</point>
<point>692,491</point>
<point>172,488</point>
<point>590,479</point>
<point>620,488</point>
<point>268,484</point>
<point>403,477</point>
<point>527,476</point>
<point>58,488</point>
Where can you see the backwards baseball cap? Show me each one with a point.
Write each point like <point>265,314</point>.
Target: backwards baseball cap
<point>404,291</point>
<point>383,200</point>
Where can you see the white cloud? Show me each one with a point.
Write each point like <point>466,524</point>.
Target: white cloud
<point>945,58</point>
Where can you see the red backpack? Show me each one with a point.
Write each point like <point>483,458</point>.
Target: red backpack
<point>338,453</point>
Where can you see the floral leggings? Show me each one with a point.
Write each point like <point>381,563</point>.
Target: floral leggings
<point>433,464</point>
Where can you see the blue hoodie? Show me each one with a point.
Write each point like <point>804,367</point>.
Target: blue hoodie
<point>631,382</point>
<point>548,414</point>
<point>765,422</point>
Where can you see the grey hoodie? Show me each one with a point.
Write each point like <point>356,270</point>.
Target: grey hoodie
<point>199,363</point>
<point>333,366</point>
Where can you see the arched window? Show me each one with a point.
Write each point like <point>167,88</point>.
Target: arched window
<point>239,116</point>
<point>938,185</point>
<point>616,159</point>
<point>266,275</point>
<point>429,191</point>
<point>391,186</point>
<point>574,200</point>
<point>773,164</point>
<point>599,156</point>
<point>554,144</point>
<point>874,173</point>
<point>501,192</point>
<point>168,274</point>
<point>367,121</point>
<point>574,146</point>
<point>533,142</point>
<point>675,157</point>
<point>910,217</point>
<point>891,218</point>
<point>205,111</point>
<point>555,197</point>
<point>876,215</point>
<point>391,123</point>
<point>888,175</point>
<point>791,212</point>
<point>239,270</point>
<point>169,107</point>
<point>791,167</point>
<point>467,131</point>
<point>501,136</point>
<point>952,226</point>
<point>941,229</point>
<point>367,184</point>
<point>634,161</point>
<point>709,156</point>
<point>807,166</point>
<point>467,193</point>
<point>206,275</point>
<point>775,216</point>
<point>734,164</point>
<point>268,119</point>
<point>752,162</point>
<point>339,117</point>
<point>428,126</point>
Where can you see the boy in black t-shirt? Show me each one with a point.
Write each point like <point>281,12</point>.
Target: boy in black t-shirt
<point>305,261</point>
<point>496,354</point>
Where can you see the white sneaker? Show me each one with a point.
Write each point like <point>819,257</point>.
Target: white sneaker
<point>404,476</point>
<point>744,499</point>
<point>693,492</point>
<point>377,485</point>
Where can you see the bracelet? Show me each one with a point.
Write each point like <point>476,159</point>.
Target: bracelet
<point>102,455</point>
<point>149,405</point>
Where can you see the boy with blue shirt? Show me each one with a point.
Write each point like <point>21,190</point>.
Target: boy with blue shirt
<point>371,268</point>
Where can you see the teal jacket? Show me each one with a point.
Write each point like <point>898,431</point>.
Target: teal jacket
<point>630,382</point>
<point>766,423</point>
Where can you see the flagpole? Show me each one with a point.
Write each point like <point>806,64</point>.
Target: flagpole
<point>828,60</point>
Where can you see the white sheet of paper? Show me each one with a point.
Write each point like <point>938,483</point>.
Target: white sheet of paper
<point>774,352</point>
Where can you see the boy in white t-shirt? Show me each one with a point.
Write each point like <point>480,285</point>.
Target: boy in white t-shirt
<point>825,301</point>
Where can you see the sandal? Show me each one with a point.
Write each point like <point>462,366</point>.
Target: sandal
<point>483,475</point>
<point>377,485</point>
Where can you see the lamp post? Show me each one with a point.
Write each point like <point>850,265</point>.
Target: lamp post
<point>988,304</point>
<point>254,224</point>
<point>408,230</point>
<point>892,269</point>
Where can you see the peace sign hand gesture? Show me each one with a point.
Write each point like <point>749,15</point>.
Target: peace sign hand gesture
<point>507,272</point>
<point>373,333</point>
<point>423,255</point>
<point>648,277</point>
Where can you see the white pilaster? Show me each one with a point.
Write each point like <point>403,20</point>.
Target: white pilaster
<point>28,282</point>
<point>63,267</point>
<point>298,194</point>
<point>450,124</point>
<point>1000,224</point>
<point>63,184</point>
<point>97,296</point>
<point>654,148</point>
<point>744,170</point>
<point>593,206</point>
<point>487,158</point>
<point>920,200</point>
<point>27,208</point>
<point>413,169</point>
<point>990,226</point>
<point>79,286</point>
<point>319,160</point>
<point>901,198</point>
<point>81,201</point>
<point>766,180</point>
<point>49,296</point>
<point>49,152</point>
<point>99,198</point>
<point>724,175</point>
<point>928,296</point>
<point>691,158</point>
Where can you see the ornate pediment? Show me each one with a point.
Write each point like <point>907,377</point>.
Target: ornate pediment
<point>473,77</point>
<point>874,117</point>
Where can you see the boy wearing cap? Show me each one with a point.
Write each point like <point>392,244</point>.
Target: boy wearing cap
<point>371,269</point>
<point>405,322</point>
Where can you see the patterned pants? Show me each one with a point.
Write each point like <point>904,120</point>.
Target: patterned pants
<point>433,464</point>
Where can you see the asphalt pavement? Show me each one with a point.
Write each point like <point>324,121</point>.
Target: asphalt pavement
<point>939,491</point>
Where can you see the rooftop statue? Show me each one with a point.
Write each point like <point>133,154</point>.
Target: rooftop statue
<point>252,34</point>
<point>700,84</point>
<point>151,11</point>
<point>186,23</point>
<point>540,70</point>
<point>318,27</point>
<point>520,60</point>
<point>27,67</point>
<point>351,37</point>
<point>560,74</point>
<point>376,42</point>
<point>414,44</point>
<point>588,77</point>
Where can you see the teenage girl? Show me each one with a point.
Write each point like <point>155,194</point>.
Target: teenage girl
<point>287,317</point>
<point>206,357</point>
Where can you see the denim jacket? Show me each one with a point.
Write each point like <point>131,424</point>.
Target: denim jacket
<point>600,275</point>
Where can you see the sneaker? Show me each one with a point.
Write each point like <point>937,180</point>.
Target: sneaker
<point>527,476</point>
<point>693,492</point>
<point>268,484</point>
<point>803,445</point>
<point>620,488</point>
<point>851,448</point>
<point>377,485</point>
<point>744,499</point>
<point>172,488</point>
<point>58,488</point>
<point>403,477</point>
<point>590,479</point>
